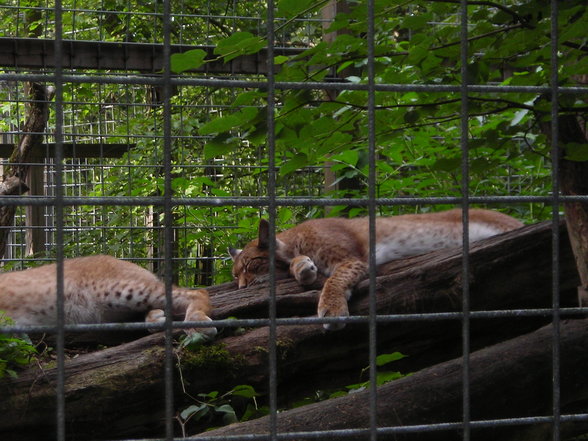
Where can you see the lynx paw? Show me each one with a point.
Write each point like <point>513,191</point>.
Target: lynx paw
<point>208,332</point>
<point>333,307</point>
<point>198,316</point>
<point>304,270</point>
<point>155,316</point>
<point>158,316</point>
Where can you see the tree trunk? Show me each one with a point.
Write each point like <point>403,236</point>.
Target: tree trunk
<point>124,384</point>
<point>512,379</point>
<point>574,181</point>
<point>15,176</point>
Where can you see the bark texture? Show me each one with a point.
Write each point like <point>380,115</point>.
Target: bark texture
<point>15,173</point>
<point>512,379</point>
<point>574,181</point>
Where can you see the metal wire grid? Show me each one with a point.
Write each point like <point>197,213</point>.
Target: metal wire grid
<point>272,202</point>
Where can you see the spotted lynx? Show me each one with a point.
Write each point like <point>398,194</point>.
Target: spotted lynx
<point>338,248</point>
<point>97,289</point>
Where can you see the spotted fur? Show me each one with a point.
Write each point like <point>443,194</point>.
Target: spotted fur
<point>338,248</point>
<point>97,289</point>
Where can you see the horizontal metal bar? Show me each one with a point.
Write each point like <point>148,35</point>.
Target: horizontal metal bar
<point>355,433</point>
<point>293,321</point>
<point>265,201</point>
<point>257,84</point>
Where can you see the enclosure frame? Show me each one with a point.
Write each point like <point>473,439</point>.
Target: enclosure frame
<point>63,54</point>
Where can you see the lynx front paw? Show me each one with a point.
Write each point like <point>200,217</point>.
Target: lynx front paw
<point>158,316</point>
<point>155,316</point>
<point>335,306</point>
<point>208,332</point>
<point>304,270</point>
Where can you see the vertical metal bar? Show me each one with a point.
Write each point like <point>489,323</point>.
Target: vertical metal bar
<point>271,189</point>
<point>555,222</point>
<point>465,219</point>
<point>60,337</point>
<point>167,222</point>
<point>372,220</point>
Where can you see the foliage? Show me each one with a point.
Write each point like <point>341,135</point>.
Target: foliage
<point>219,135</point>
<point>14,352</point>
<point>382,377</point>
<point>208,409</point>
<point>210,406</point>
<point>417,133</point>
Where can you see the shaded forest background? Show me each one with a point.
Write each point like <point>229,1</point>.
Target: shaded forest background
<point>219,133</point>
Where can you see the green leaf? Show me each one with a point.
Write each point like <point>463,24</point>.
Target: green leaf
<point>220,125</point>
<point>383,359</point>
<point>291,8</point>
<point>229,416</point>
<point>239,43</point>
<point>299,160</point>
<point>244,390</point>
<point>248,98</point>
<point>193,341</point>
<point>280,59</point>
<point>385,377</point>
<point>210,395</point>
<point>349,157</point>
<point>191,59</point>
<point>220,145</point>
<point>194,411</point>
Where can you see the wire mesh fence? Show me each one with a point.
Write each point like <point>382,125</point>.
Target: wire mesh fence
<point>168,169</point>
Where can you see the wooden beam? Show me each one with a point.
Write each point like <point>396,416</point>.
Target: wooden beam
<point>76,150</point>
<point>33,53</point>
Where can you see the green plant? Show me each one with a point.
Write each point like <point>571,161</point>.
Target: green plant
<point>15,352</point>
<point>382,377</point>
<point>213,406</point>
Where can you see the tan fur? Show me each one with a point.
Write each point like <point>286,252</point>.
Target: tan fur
<point>97,289</point>
<point>338,248</point>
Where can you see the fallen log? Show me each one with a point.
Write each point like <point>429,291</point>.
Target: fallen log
<point>509,380</point>
<point>124,384</point>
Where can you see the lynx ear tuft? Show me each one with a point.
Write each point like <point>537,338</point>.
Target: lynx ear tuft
<point>234,252</point>
<point>263,234</point>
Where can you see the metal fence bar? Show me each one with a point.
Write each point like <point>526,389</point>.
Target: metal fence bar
<point>59,207</point>
<point>293,85</point>
<point>236,323</point>
<point>555,154</point>
<point>371,106</point>
<point>280,201</point>
<point>272,207</point>
<point>168,223</point>
<point>465,190</point>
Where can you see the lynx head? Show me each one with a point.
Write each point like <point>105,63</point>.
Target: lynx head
<point>251,264</point>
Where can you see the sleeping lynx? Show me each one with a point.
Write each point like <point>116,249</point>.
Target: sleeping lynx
<point>338,248</point>
<point>97,289</point>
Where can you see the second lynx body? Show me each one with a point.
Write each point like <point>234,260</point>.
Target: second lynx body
<point>97,289</point>
<point>338,248</point>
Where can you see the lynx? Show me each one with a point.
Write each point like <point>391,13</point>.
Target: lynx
<point>338,248</point>
<point>97,289</point>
